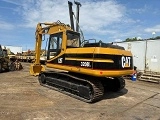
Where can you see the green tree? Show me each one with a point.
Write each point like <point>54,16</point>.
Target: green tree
<point>131,39</point>
<point>158,37</point>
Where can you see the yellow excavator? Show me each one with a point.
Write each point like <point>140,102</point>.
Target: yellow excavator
<point>88,67</point>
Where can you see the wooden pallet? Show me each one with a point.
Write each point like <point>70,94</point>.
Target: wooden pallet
<point>150,78</point>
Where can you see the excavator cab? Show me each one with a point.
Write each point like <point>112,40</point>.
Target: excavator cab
<point>5,53</point>
<point>56,41</point>
<point>1,51</point>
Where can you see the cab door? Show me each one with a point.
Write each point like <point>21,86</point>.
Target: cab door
<point>54,46</point>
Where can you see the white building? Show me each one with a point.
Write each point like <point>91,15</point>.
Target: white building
<point>14,49</point>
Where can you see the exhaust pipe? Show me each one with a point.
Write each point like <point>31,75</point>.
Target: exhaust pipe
<point>77,15</point>
<point>71,15</point>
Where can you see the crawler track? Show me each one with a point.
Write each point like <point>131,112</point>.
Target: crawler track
<point>84,88</point>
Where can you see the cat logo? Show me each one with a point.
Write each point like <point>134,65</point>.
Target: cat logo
<point>126,61</point>
<point>60,60</point>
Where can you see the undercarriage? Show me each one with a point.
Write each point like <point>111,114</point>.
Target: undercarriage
<point>83,87</point>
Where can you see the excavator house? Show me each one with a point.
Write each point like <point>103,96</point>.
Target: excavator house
<point>87,68</point>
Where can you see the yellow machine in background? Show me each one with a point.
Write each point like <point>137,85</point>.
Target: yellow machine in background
<point>8,62</point>
<point>4,60</point>
<point>91,67</point>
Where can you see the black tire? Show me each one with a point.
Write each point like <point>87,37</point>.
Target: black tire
<point>12,67</point>
<point>0,67</point>
<point>7,68</point>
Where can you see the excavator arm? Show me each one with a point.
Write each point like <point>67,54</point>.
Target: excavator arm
<point>48,28</point>
<point>36,67</point>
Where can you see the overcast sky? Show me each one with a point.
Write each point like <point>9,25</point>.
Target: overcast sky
<point>106,20</point>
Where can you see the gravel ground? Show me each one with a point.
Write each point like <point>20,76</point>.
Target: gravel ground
<point>22,98</point>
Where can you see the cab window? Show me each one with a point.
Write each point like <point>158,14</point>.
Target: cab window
<point>55,45</point>
<point>73,39</point>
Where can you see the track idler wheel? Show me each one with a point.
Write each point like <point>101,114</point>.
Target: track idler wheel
<point>42,78</point>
